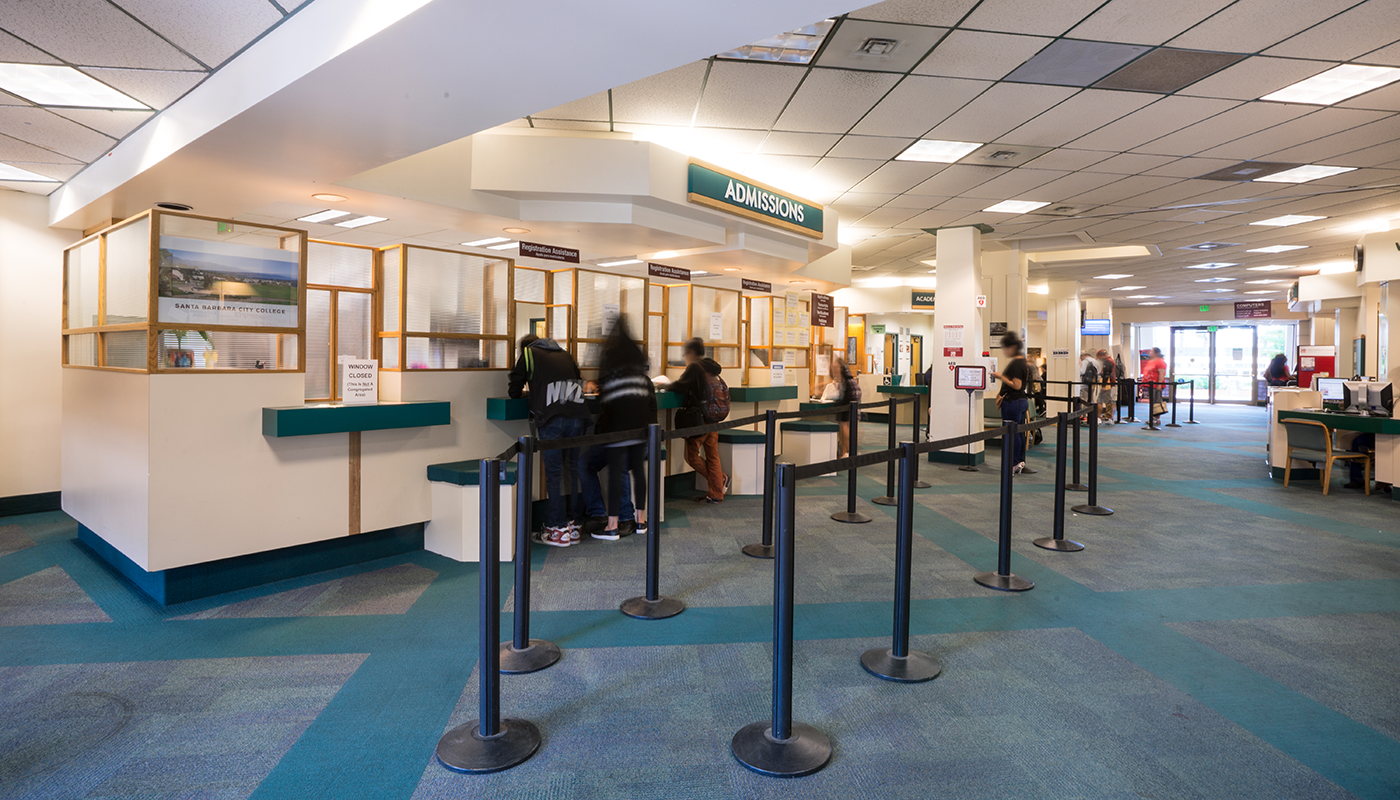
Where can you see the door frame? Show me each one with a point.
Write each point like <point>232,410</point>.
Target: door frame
<point>1211,331</point>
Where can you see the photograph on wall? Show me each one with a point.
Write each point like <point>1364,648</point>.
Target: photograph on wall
<point>225,283</point>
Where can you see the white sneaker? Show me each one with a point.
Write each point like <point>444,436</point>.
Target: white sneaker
<point>574,530</point>
<point>1016,470</point>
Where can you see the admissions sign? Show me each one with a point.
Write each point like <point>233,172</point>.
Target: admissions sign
<point>726,191</point>
<point>823,311</point>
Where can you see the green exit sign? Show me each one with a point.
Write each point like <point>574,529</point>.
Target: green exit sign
<point>1205,308</point>
<point>1211,329</point>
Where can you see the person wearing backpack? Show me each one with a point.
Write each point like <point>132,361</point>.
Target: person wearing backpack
<point>557,411</point>
<point>1109,377</point>
<point>848,388</point>
<point>1088,380</point>
<point>705,401</point>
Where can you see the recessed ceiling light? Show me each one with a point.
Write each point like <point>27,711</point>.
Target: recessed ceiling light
<point>1213,280</point>
<point>48,85</point>
<point>1220,291</point>
<point>322,216</point>
<point>937,150</point>
<point>624,262</point>
<point>1366,226</point>
<point>932,262</point>
<point>358,222</point>
<point>1212,265</point>
<point>516,230</point>
<point>665,254</point>
<point>1303,174</point>
<point>1039,288</point>
<point>169,206</point>
<point>1154,303</point>
<point>494,240</point>
<point>698,272</point>
<point>1140,296</point>
<point>933,272</point>
<point>1278,248</point>
<point>1111,277</point>
<point>732,269</point>
<point>506,246</point>
<point>1270,268</point>
<point>1263,291</point>
<point>1015,207</point>
<point>791,283</point>
<point>1286,220</point>
<point>1207,246</point>
<point>1126,288</point>
<point>1263,283</point>
<point>793,47</point>
<point>329,198</point>
<point>1336,84</point>
<point>10,173</point>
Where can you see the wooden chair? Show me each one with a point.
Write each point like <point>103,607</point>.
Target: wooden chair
<point>1312,442</point>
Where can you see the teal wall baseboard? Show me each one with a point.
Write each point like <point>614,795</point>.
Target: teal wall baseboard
<point>944,457</point>
<point>30,503</point>
<point>182,584</point>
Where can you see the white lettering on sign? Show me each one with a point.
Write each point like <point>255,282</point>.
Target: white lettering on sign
<point>359,382</point>
<point>1059,354</point>
<point>754,197</point>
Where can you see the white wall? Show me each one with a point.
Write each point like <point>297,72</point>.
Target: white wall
<point>31,303</point>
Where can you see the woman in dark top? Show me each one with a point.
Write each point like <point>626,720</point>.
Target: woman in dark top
<point>629,402</point>
<point>1014,377</point>
<point>1277,371</point>
<point>849,387</point>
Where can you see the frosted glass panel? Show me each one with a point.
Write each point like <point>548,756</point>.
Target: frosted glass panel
<point>678,300</point>
<point>707,301</point>
<point>391,288</point>
<point>531,285</point>
<point>455,292</point>
<point>318,344</point>
<point>337,265</point>
<point>597,290</point>
<point>82,264</point>
<point>227,350</point>
<point>126,349</point>
<point>128,275</point>
<point>656,345</point>
<point>389,353</point>
<point>352,328</point>
<point>82,349</point>
<point>437,353</point>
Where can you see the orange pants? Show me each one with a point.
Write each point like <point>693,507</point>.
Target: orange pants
<point>706,462</point>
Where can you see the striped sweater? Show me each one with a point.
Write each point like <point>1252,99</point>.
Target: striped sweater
<point>629,401</point>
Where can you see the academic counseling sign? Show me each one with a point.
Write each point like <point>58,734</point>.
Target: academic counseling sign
<point>726,191</point>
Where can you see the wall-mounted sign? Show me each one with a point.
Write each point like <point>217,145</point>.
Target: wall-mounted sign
<point>1062,353</point>
<point>952,341</point>
<point>716,326</point>
<point>727,191</point>
<point>878,330</point>
<point>823,310</point>
<point>980,301</point>
<point>549,252</point>
<point>1204,309</point>
<point>997,329</point>
<point>359,382</point>
<point>670,273</point>
<point>226,283</point>
<point>1254,309</point>
<point>755,286</point>
<point>921,300</point>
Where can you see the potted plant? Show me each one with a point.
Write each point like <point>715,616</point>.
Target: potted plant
<point>181,357</point>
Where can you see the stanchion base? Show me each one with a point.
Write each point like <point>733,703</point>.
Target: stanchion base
<point>1062,545</point>
<point>805,752</point>
<point>886,501</point>
<point>1029,471</point>
<point>1150,428</point>
<point>660,608</point>
<point>922,485</point>
<point>537,656</point>
<point>968,468</point>
<point>1093,511</point>
<point>1172,425</point>
<point>916,667</point>
<point>461,750</point>
<point>853,517</point>
<point>1076,487</point>
<point>1192,422</point>
<point>758,550</point>
<point>1003,583</point>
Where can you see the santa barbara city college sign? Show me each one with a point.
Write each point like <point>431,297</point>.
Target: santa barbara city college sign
<point>726,191</point>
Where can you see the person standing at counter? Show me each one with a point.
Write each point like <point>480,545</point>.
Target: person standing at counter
<point>1277,371</point>
<point>847,392</point>
<point>1012,398</point>
<point>629,403</point>
<point>557,411</point>
<point>696,386</point>
<point>1154,374</point>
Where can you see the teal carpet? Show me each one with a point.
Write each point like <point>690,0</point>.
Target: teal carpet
<point>1219,637</point>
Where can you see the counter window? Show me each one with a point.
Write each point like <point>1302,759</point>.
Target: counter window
<point>339,313</point>
<point>445,310</point>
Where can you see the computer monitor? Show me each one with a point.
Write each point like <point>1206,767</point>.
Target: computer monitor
<point>1379,398</point>
<point>1334,392</point>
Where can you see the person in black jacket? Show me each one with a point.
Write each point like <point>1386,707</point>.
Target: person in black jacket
<point>557,411</point>
<point>701,452</point>
<point>629,403</point>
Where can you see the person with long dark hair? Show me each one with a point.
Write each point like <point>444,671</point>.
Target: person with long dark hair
<point>629,402</point>
<point>1012,399</point>
<point>1277,371</point>
<point>848,389</point>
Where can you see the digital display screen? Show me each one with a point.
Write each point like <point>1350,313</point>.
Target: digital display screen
<point>970,378</point>
<point>1096,327</point>
<point>1333,389</point>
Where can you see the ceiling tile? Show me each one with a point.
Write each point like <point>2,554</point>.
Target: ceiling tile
<point>1362,28</point>
<point>111,122</point>
<point>1144,21</point>
<point>919,202</point>
<point>1386,155</point>
<point>1248,26</point>
<point>14,150</point>
<point>898,177</point>
<point>577,125</point>
<point>1077,116</point>
<point>1322,122</point>
<point>1188,167</point>
<point>842,49</point>
<point>1015,184</point>
<point>1068,159</point>
<point>870,147</point>
<point>917,104</point>
<point>1071,62</point>
<point>30,187</point>
<point>1162,117</point>
<point>1167,69</point>
<point>1255,77</point>
<point>780,170</point>
<point>746,95</point>
<point>1122,190</point>
<point>798,144</point>
<point>1386,98</point>
<point>59,172</point>
<point>69,30</point>
<point>998,110</point>
<point>593,107</point>
<point>976,54</point>
<point>955,179</point>
<point>14,51</point>
<point>1328,148</point>
<point>916,12</point>
<point>839,174</point>
<point>1075,184</point>
<point>665,99</point>
<point>872,199</point>
<point>212,34</point>
<point>39,126</point>
<point>886,217</point>
<point>1132,163</point>
<point>7,99</point>
<point>833,100</point>
<point>155,88</point>
<point>1029,16</point>
<point>1227,126</point>
<point>1386,56</point>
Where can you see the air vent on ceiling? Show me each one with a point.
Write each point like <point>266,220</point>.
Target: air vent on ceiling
<point>1062,210</point>
<point>854,268</point>
<point>175,206</point>
<point>1003,155</point>
<point>878,46</point>
<point>1208,246</point>
<point>1247,171</point>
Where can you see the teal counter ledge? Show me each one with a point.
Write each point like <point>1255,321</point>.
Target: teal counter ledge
<point>319,418</point>
<point>761,394</point>
<point>508,408</point>
<point>882,389</point>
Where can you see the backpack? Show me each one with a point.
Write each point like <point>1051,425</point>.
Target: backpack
<point>716,405</point>
<point>1110,371</point>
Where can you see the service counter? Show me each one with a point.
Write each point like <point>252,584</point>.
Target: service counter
<point>1286,399</point>
<point>1385,429</point>
<point>904,414</point>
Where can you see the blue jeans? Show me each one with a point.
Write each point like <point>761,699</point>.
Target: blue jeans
<point>594,459</point>
<point>1363,443</point>
<point>556,463</point>
<point>1016,410</point>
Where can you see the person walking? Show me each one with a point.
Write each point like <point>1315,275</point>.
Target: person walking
<point>1088,379</point>
<point>1154,374</point>
<point>1011,399</point>
<point>1108,377</point>
<point>700,386</point>
<point>629,403</point>
<point>847,393</point>
<point>557,411</point>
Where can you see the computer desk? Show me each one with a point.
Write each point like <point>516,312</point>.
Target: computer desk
<point>1386,429</point>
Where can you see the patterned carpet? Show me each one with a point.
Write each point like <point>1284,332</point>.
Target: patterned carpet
<point>1219,637</point>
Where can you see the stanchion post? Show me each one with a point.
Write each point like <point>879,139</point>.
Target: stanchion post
<point>1058,541</point>
<point>770,458</point>
<point>1191,405</point>
<point>1173,424</point>
<point>489,743</point>
<point>970,466</point>
<point>1092,508</point>
<point>1132,400</point>
<point>780,747</point>
<point>890,499</point>
<point>1003,579</point>
<point>850,514</point>
<point>918,416</point>
<point>1075,485</point>
<point>897,662</point>
<point>523,654</point>
<point>653,605</point>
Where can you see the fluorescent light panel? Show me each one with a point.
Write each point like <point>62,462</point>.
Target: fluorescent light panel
<point>1278,248</point>
<point>624,262</point>
<point>1286,220</point>
<point>1126,288</point>
<point>1271,268</point>
<point>322,216</point>
<point>506,246</point>
<point>1111,277</point>
<point>937,150</point>
<point>1336,84</point>
<point>49,85</point>
<point>1015,207</point>
<point>1155,303</point>
<point>484,242</point>
<point>1213,280</point>
<point>12,173</point>
<point>793,47</point>
<point>1212,265</point>
<point>359,222</point>
<point>1263,291</point>
<point>1303,174</point>
<point>1219,291</point>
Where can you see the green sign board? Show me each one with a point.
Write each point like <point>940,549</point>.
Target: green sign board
<point>878,330</point>
<point>716,188</point>
<point>1211,328</point>
<point>1205,308</point>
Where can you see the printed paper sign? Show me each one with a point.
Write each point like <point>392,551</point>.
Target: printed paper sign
<point>791,317</point>
<point>981,301</point>
<point>823,365</point>
<point>775,375</point>
<point>804,337</point>
<point>789,358</point>
<point>755,286</point>
<point>359,382</point>
<point>953,336</point>
<point>952,352</point>
<point>716,326</point>
<point>793,300</point>
<point>611,311</point>
<point>1063,353</point>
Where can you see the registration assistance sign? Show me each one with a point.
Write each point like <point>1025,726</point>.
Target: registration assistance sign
<point>727,191</point>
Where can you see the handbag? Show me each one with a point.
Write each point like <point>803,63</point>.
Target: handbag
<point>1159,408</point>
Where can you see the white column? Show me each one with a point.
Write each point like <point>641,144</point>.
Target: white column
<point>1062,332</point>
<point>1367,318</point>
<point>959,284</point>
<point>1004,281</point>
<point>1345,320</point>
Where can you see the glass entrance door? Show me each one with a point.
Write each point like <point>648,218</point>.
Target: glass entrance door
<point>1191,358</point>
<point>1235,358</point>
